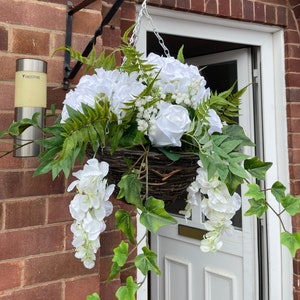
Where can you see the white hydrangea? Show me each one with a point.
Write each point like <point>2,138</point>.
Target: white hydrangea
<point>182,80</point>
<point>88,208</point>
<point>218,206</point>
<point>119,88</point>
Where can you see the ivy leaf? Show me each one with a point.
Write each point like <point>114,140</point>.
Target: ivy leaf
<point>154,215</point>
<point>291,241</point>
<point>130,189</point>
<point>93,296</point>
<point>121,254</point>
<point>236,132</point>
<point>256,167</point>
<point>128,291</point>
<point>114,270</point>
<point>291,204</point>
<point>278,190</point>
<point>255,192</point>
<point>146,262</point>
<point>124,223</point>
<point>257,207</point>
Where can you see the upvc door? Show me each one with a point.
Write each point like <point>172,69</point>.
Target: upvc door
<point>232,272</point>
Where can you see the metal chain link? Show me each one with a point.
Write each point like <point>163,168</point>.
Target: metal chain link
<point>134,36</point>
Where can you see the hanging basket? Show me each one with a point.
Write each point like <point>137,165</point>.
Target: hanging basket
<point>167,180</point>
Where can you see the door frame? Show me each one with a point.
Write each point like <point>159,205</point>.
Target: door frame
<point>270,40</point>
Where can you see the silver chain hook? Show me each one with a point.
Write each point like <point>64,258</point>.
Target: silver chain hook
<point>134,36</point>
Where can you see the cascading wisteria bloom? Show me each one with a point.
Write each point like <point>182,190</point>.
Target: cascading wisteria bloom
<point>217,205</point>
<point>88,208</point>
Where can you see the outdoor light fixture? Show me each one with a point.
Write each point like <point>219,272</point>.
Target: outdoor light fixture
<point>30,98</point>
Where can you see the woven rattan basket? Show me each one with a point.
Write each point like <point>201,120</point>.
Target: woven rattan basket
<point>167,180</point>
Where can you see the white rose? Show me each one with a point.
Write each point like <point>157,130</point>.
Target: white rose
<point>167,128</point>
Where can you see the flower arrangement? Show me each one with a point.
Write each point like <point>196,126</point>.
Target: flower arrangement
<point>157,105</point>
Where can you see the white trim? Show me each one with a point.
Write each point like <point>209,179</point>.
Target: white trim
<point>271,43</point>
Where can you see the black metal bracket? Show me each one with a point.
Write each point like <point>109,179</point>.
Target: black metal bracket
<point>69,72</point>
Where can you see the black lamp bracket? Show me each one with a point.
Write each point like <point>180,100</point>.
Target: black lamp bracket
<point>69,72</point>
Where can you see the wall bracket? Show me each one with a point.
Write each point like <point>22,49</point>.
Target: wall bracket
<point>69,72</point>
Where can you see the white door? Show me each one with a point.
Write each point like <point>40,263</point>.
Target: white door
<point>231,273</point>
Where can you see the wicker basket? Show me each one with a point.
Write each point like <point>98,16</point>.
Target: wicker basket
<point>167,180</point>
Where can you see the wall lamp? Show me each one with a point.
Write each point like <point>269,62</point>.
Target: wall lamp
<point>30,98</point>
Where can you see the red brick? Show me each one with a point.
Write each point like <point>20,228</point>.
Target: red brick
<point>10,275</point>
<point>259,10</point>
<point>37,14</point>
<point>6,118</point>
<point>294,125</point>
<point>3,38</point>
<point>24,213</point>
<point>78,289</point>
<point>236,9</point>
<point>293,94</point>
<point>270,14</point>
<point>293,79</point>
<point>109,240</point>
<point>105,266</point>
<point>109,289</point>
<point>169,3</point>
<point>293,109</point>
<point>248,10</point>
<point>1,216</point>
<point>54,267</point>
<point>128,11</point>
<point>291,20</point>
<point>23,184</point>
<point>183,4</point>
<point>292,51</point>
<point>294,140</point>
<point>86,22</point>
<point>197,5</point>
<point>291,36</point>
<point>294,156</point>
<point>22,243</point>
<point>51,291</point>
<point>210,7</point>
<point>7,95</point>
<point>281,16</point>
<point>224,8</point>
<point>111,37</point>
<point>8,67</point>
<point>295,187</point>
<point>58,209</point>
<point>292,64</point>
<point>30,42</point>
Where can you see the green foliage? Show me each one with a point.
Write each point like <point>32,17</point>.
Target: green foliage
<point>145,262</point>
<point>256,167</point>
<point>93,296</point>
<point>154,215</point>
<point>124,223</point>
<point>128,291</point>
<point>130,189</point>
<point>257,201</point>
<point>291,241</point>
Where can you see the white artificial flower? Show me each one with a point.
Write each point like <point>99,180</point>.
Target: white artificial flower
<point>214,122</point>
<point>89,207</point>
<point>180,79</point>
<point>171,122</point>
<point>119,88</point>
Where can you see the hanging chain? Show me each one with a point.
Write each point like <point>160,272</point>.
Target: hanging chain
<point>134,36</point>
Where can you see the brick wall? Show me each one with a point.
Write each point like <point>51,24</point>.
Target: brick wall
<point>36,256</point>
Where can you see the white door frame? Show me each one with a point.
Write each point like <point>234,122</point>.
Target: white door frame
<point>270,40</point>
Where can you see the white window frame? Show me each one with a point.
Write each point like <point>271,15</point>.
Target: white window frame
<point>270,40</point>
